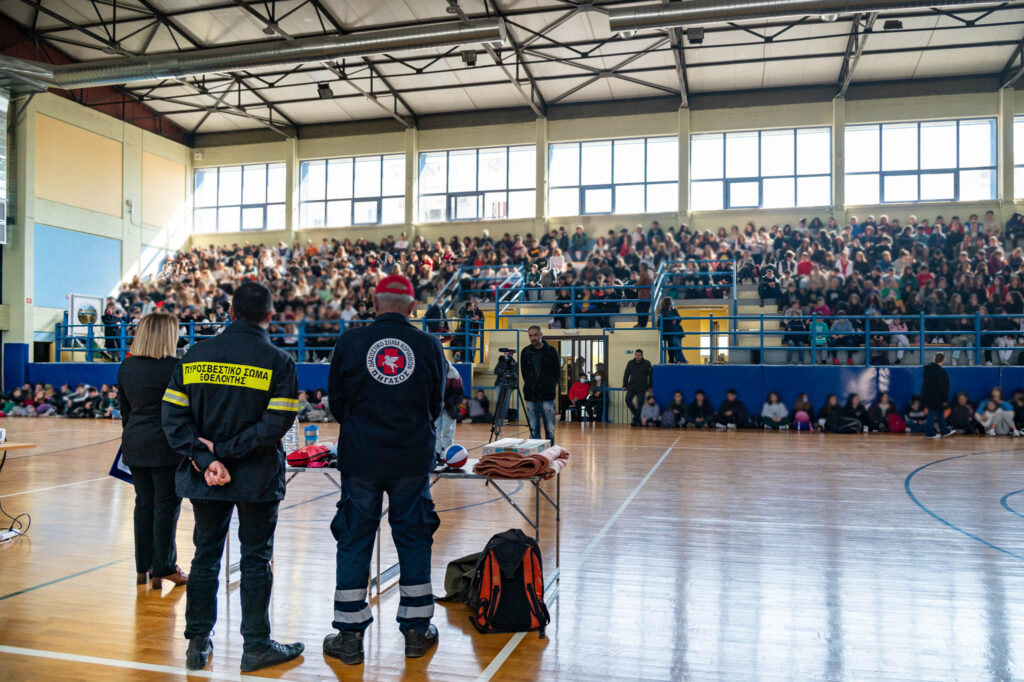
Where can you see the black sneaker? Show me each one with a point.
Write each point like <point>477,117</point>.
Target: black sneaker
<point>419,643</point>
<point>198,654</point>
<point>274,654</point>
<point>347,647</point>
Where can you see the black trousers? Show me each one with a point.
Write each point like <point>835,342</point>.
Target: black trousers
<point>256,524</point>
<point>642,310</point>
<point>156,519</point>
<point>635,401</point>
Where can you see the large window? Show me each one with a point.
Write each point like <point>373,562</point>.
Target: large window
<point>761,169</point>
<point>614,176</point>
<point>1018,157</point>
<point>478,184</point>
<point>233,198</point>
<point>921,161</point>
<point>361,190</point>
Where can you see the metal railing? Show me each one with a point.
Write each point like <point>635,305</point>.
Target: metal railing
<point>975,337</point>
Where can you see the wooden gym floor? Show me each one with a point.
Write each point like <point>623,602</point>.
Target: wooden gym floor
<point>685,556</point>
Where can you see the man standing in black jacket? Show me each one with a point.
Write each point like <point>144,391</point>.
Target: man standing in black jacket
<point>230,401</point>
<point>935,396</point>
<point>638,377</point>
<point>541,367</point>
<point>386,386</point>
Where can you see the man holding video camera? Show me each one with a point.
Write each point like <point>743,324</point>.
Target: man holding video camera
<point>541,367</point>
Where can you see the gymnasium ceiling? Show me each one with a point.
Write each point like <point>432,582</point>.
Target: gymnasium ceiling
<point>560,52</point>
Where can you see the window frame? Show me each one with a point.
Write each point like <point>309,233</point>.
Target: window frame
<point>352,199</point>
<point>920,172</point>
<point>1017,163</point>
<point>760,178</point>
<point>611,185</point>
<point>451,197</point>
<point>241,206</point>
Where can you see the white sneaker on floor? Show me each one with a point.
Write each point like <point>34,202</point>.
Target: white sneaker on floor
<point>990,432</point>
<point>767,428</point>
<point>719,426</point>
<point>730,426</point>
<point>865,430</point>
<point>1016,433</point>
<point>783,428</point>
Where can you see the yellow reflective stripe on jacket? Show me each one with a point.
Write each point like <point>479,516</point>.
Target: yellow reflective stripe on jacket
<point>283,404</point>
<point>226,374</point>
<point>175,398</point>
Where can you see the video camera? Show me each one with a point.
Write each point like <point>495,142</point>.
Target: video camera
<point>507,369</point>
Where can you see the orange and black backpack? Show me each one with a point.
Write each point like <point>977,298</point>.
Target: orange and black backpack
<point>507,589</point>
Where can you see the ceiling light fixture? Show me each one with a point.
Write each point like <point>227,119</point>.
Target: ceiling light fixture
<point>695,35</point>
<point>469,57</point>
<point>892,25</point>
<point>323,91</point>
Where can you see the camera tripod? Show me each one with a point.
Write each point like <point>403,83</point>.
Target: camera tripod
<point>505,391</point>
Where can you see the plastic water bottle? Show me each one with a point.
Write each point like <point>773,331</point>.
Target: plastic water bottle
<point>312,432</point>
<point>291,439</point>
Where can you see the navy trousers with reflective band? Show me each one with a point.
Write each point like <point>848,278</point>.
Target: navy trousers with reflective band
<point>413,522</point>
<point>256,524</point>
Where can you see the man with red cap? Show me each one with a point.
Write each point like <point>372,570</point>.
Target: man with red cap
<point>386,386</point>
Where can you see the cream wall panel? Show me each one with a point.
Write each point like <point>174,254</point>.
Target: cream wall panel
<point>77,167</point>
<point>352,145</point>
<point>638,125</point>
<point>757,118</point>
<point>75,114</point>
<point>598,225</point>
<point>266,152</point>
<point>77,219</point>
<point>921,108</point>
<point>477,136</point>
<point>46,319</point>
<point>163,191</point>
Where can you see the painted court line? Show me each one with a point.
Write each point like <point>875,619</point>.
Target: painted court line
<point>129,665</point>
<point>512,643</point>
<point>60,580</point>
<point>54,487</point>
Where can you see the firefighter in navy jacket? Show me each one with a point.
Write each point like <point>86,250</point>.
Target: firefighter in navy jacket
<point>386,387</point>
<point>230,401</point>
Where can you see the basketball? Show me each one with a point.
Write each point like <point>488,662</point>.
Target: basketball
<point>456,456</point>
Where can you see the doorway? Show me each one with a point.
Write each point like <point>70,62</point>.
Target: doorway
<point>581,355</point>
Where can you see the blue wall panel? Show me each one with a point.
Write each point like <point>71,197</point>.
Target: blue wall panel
<point>72,373</point>
<point>818,382</point>
<point>713,380</point>
<point>312,376</point>
<point>69,262</point>
<point>15,361</point>
<point>976,381</point>
<point>465,370</point>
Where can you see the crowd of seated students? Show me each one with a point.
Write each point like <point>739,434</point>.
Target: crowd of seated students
<point>992,414</point>
<point>824,278</point>
<point>878,268</point>
<point>43,400</point>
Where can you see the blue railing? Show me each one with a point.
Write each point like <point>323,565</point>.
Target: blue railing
<point>977,340</point>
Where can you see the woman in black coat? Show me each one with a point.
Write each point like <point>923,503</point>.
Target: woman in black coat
<point>143,378</point>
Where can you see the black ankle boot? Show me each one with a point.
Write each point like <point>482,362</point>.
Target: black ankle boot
<point>347,647</point>
<point>274,654</point>
<point>419,643</point>
<point>198,654</point>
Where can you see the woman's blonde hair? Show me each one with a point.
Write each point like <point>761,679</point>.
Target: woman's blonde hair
<point>156,335</point>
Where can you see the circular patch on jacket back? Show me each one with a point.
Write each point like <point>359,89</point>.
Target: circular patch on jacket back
<point>390,361</point>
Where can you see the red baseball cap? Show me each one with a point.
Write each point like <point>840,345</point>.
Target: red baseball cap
<point>396,284</point>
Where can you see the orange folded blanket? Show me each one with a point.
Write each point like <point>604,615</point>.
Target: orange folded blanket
<point>507,464</point>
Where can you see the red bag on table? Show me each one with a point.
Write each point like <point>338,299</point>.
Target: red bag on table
<point>312,456</point>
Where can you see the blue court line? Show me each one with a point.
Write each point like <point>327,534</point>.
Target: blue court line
<point>1007,507</point>
<point>958,529</point>
<point>60,580</point>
